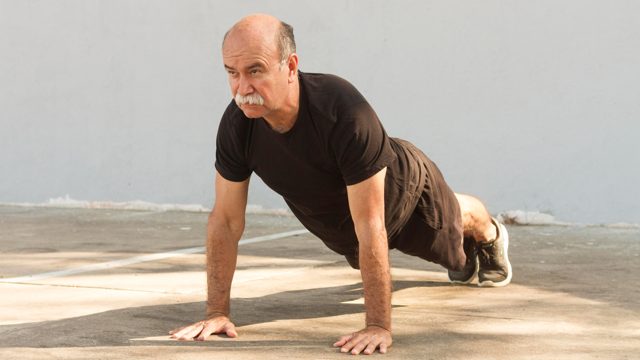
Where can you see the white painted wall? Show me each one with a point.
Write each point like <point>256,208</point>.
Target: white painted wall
<point>528,104</point>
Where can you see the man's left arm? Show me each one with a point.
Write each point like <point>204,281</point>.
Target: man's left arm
<point>366,203</point>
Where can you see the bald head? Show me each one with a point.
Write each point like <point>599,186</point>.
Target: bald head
<point>266,28</point>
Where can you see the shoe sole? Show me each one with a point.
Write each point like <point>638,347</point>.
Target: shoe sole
<point>489,283</point>
<point>470,280</point>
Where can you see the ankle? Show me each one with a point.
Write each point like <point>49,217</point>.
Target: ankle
<point>489,235</point>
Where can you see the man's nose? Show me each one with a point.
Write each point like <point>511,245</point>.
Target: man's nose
<point>244,86</point>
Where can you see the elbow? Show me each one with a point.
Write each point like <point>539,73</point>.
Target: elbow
<point>372,228</point>
<point>232,224</point>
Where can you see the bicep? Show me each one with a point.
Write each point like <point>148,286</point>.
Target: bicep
<point>231,198</point>
<point>366,200</point>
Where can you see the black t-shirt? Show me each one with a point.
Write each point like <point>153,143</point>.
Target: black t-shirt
<point>336,141</point>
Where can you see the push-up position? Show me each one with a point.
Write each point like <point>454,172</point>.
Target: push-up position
<point>315,140</point>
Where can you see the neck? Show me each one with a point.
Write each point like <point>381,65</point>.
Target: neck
<point>284,119</point>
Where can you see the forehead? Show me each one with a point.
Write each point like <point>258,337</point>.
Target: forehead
<point>244,47</point>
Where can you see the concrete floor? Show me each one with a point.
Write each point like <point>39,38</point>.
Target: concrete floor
<point>574,293</point>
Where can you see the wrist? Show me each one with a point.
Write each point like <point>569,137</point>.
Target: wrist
<point>213,314</point>
<point>381,326</point>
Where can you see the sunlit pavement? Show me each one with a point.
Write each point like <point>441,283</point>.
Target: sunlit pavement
<point>574,293</point>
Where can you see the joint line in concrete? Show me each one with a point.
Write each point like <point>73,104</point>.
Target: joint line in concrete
<point>142,258</point>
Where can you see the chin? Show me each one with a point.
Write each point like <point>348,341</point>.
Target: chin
<point>252,111</point>
<point>253,114</point>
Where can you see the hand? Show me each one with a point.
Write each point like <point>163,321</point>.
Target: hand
<point>368,339</point>
<point>200,330</point>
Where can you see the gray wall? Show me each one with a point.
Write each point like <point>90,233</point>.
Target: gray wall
<point>529,105</point>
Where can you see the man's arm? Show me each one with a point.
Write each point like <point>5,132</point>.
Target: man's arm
<point>366,203</point>
<point>224,229</point>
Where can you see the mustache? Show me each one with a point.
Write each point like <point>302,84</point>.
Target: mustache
<point>251,99</point>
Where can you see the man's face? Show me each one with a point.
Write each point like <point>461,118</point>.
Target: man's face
<point>258,82</point>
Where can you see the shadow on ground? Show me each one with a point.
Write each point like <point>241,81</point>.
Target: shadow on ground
<point>118,327</point>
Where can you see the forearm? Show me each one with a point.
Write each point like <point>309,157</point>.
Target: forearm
<point>376,276</point>
<point>222,253</point>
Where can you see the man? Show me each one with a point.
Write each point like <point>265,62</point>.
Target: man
<point>315,140</point>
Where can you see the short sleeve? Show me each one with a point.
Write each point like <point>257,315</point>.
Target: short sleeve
<point>231,160</point>
<point>360,144</point>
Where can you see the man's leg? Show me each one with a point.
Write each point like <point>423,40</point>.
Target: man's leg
<point>487,239</point>
<point>476,220</point>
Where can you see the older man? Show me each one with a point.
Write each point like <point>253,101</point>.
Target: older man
<point>315,140</point>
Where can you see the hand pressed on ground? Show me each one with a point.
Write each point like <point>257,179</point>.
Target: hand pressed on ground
<point>366,341</point>
<point>200,330</point>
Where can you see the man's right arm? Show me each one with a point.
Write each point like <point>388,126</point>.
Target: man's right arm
<point>224,229</point>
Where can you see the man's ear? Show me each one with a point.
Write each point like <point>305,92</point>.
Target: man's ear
<point>292,67</point>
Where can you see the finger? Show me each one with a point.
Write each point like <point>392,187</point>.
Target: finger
<point>357,349</point>
<point>373,344</point>
<point>230,330</point>
<point>185,335</point>
<point>178,329</point>
<point>351,343</point>
<point>181,331</point>
<point>383,348</point>
<point>208,329</point>
<point>192,333</point>
<point>343,340</point>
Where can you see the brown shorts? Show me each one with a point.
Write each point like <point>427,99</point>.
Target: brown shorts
<point>434,232</point>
